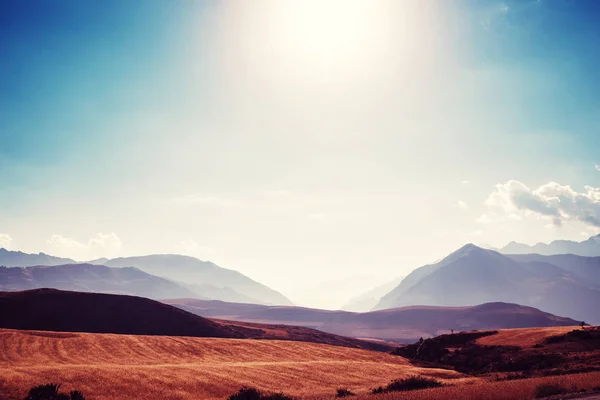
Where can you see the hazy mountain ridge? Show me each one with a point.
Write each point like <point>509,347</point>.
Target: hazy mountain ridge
<point>586,248</point>
<point>90,278</point>
<point>473,275</point>
<point>10,258</point>
<point>192,277</point>
<point>400,324</point>
<point>198,273</point>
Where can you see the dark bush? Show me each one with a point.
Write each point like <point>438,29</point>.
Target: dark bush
<point>378,390</point>
<point>248,393</point>
<point>77,395</point>
<point>48,391</point>
<point>276,396</point>
<point>344,393</point>
<point>410,383</point>
<point>549,389</point>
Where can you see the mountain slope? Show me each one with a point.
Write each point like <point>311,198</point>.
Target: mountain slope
<point>473,275</point>
<point>65,311</point>
<point>367,300</point>
<point>399,324</point>
<point>586,248</point>
<point>91,278</point>
<point>19,259</point>
<point>586,268</point>
<point>199,273</point>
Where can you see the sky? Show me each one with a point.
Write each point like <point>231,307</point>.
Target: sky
<point>319,147</point>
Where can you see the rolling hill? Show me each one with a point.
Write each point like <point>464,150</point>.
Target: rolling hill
<point>204,278</point>
<point>63,311</point>
<point>401,324</point>
<point>91,278</point>
<point>473,275</point>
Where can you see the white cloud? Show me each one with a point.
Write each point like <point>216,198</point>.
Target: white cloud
<point>465,182</point>
<point>462,205</point>
<point>317,216</point>
<point>477,232</point>
<point>597,167</point>
<point>101,245</point>
<point>5,240</point>
<point>211,201</point>
<point>552,201</point>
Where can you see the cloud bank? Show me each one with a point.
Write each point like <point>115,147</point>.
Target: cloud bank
<point>552,201</point>
<point>101,245</point>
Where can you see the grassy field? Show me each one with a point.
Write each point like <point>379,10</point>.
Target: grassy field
<point>523,337</point>
<point>106,366</point>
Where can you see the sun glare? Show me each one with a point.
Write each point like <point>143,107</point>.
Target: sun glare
<point>328,33</point>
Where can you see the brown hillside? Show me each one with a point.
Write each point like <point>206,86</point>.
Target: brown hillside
<point>55,310</point>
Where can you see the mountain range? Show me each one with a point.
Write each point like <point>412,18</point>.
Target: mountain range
<point>405,324</point>
<point>91,278</point>
<point>587,248</point>
<point>158,276</point>
<point>473,275</point>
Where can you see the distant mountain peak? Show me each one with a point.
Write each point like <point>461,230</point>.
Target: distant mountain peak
<point>468,250</point>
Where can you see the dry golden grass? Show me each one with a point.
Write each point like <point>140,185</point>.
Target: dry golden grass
<point>106,366</point>
<point>485,390</point>
<point>523,337</point>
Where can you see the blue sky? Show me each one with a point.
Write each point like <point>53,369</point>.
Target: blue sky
<point>288,139</point>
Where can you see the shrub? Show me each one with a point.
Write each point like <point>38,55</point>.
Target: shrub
<point>413,383</point>
<point>549,389</point>
<point>248,393</point>
<point>344,393</point>
<point>77,395</point>
<point>378,390</point>
<point>410,383</point>
<point>48,391</point>
<point>276,396</point>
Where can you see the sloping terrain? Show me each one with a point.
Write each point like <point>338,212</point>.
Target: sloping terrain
<point>54,310</point>
<point>107,367</point>
<point>206,279</point>
<point>401,324</point>
<point>473,275</point>
<point>91,278</point>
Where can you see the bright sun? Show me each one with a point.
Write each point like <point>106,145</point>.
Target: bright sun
<point>327,31</point>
